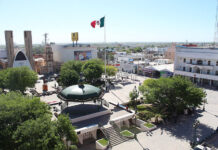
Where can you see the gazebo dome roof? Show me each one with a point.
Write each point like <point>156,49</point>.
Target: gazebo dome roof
<point>80,93</point>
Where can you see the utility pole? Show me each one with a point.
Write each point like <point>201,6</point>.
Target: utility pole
<point>216,27</point>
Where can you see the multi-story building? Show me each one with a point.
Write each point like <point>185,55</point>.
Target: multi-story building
<point>170,53</point>
<point>198,64</point>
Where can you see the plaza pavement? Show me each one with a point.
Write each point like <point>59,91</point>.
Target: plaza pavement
<point>173,136</point>
<point>177,136</point>
<point>120,94</point>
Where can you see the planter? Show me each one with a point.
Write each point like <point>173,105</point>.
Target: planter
<point>127,133</point>
<point>101,144</point>
<point>148,127</point>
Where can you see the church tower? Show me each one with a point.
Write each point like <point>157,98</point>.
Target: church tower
<point>49,58</point>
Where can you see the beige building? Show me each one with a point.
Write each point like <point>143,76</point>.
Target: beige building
<point>170,53</point>
<point>48,56</point>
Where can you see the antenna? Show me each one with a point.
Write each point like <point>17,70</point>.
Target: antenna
<point>216,27</point>
<point>45,35</point>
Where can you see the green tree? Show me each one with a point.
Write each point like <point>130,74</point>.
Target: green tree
<point>38,49</point>
<point>26,124</point>
<point>68,77</point>
<point>38,134</point>
<point>65,129</point>
<point>137,50</point>
<point>73,65</point>
<point>20,78</point>
<point>97,61</point>
<point>16,109</point>
<point>70,71</point>
<point>111,70</point>
<point>92,70</point>
<point>170,96</point>
<point>3,78</point>
<point>111,56</point>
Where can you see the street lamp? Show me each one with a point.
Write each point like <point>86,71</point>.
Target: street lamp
<point>205,100</point>
<point>136,94</point>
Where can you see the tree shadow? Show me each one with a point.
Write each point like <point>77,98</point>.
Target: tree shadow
<point>183,129</point>
<point>126,83</point>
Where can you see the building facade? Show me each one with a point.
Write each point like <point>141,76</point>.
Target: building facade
<point>198,64</point>
<point>48,56</point>
<point>170,53</point>
<point>64,53</point>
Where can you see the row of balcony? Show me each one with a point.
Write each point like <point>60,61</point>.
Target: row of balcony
<point>198,70</point>
<point>200,62</point>
<point>196,74</point>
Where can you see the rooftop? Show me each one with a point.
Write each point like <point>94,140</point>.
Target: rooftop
<point>164,67</point>
<point>104,119</point>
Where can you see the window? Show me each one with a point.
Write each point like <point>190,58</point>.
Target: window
<point>190,69</point>
<point>183,68</point>
<point>217,73</point>
<point>190,61</point>
<point>208,71</point>
<point>217,63</point>
<point>199,62</point>
<point>198,70</point>
<point>208,63</point>
<point>184,60</point>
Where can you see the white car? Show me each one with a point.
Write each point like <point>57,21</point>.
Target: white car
<point>38,81</point>
<point>200,147</point>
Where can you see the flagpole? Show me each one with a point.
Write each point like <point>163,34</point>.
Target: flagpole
<point>105,61</point>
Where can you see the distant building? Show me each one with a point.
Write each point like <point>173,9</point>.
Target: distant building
<point>64,53</point>
<point>39,65</point>
<point>170,53</point>
<point>3,59</point>
<point>164,70</point>
<point>198,64</point>
<point>162,61</point>
<point>16,57</point>
<point>48,56</point>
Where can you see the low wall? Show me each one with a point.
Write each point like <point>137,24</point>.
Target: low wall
<point>139,122</point>
<point>122,118</point>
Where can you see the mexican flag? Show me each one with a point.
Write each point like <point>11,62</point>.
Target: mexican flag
<point>98,22</point>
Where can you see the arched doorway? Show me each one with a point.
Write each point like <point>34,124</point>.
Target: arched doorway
<point>199,62</point>
<point>198,70</point>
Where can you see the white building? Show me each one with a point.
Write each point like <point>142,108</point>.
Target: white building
<point>123,56</point>
<point>162,61</point>
<point>21,60</point>
<point>199,64</point>
<point>64,53</point>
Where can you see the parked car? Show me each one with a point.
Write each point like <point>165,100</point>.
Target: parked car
<point>201,147</point>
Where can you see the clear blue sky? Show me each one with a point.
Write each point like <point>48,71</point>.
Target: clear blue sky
<point>126,20</point>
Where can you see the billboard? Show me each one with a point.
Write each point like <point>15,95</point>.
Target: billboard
<point>82,55</point>
<point>74,36</point>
